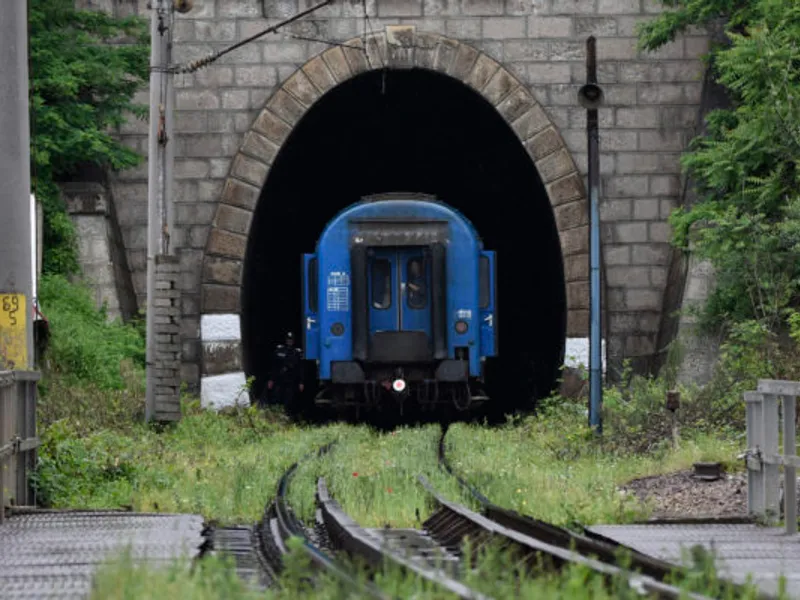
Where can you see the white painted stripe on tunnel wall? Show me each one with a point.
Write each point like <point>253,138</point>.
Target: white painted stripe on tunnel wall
<point>220,391</point>
<point>576,353</point>
<point>220,328</point>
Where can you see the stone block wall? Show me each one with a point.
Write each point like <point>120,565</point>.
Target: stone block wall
<point>101,254</point>
<point>651,104</point>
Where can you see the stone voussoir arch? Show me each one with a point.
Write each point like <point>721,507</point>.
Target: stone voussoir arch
<point>399,47</point>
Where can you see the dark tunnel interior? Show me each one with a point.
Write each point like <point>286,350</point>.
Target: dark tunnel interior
<point>413,131</point>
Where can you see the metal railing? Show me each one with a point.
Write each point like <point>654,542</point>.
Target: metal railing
<point>762,457</point>
<point>18,440</point>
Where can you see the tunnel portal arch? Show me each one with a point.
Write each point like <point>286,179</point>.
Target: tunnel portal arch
<point>223,369</point>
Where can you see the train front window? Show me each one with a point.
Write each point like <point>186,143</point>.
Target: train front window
<point>416,285</point>
<point>381,283</point>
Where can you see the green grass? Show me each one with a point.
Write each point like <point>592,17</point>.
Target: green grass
<point>494,575</point>
<point>222,467</point>
<point>552,469</point>
<point>374,476</point>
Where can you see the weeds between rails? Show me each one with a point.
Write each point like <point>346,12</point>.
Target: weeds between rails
<point>618,556</point>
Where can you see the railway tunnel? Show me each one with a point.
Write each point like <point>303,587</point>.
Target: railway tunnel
<point>417,131</point>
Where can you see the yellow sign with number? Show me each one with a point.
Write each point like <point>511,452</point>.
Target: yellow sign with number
<point>13,340</point>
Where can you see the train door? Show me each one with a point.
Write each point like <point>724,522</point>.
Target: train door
<point>400,290</point>
<point>415,287</point>
<point>384,307</point>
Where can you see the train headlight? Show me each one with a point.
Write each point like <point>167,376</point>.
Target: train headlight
<point>461,327</point>
<point>398,385</point>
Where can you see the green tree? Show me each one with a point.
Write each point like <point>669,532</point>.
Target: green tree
<point>85,68</point>
<point>746,166</point>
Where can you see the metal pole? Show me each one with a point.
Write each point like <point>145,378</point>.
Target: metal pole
<point>591,97</point>
<point>16,285</point>
<point>155,183</point>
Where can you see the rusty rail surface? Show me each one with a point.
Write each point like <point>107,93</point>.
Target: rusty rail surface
<point>18,440</point>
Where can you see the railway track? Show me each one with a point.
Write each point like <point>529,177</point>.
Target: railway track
<point>435,552</point>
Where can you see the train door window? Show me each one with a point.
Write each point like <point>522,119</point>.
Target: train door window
<point>312,285</point>
<point>484,282</point>
<point>416,285</point>
<point>381,283</point>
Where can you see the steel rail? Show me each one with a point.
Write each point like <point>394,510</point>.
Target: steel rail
<point>452,523</point>
<point>606,550</point>
<point>280,524</point>
<point>357,541</point>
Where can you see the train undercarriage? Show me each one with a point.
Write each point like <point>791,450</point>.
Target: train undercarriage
<point>401,395</point>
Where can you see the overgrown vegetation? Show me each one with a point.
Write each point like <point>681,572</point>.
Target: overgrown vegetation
<point>93,369</point>
<point>85,68</point>
<point>495,573</point>
<point>746,220</point>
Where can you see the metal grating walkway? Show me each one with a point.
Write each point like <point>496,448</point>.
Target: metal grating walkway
<point>763,552</point>
<point>55,554</point>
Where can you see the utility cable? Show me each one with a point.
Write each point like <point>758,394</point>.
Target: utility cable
<point>202,62</point>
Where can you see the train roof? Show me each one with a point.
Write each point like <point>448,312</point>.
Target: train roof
<point>411,206</point>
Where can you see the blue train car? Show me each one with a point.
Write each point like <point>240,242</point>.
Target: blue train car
<point>400,302</point>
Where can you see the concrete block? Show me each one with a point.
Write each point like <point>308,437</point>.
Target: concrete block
<point>575,241</point>
<point>659,232</point>
<point>573,7</point>
<point>317,71</point>
<point>627,276</point>
<point>596,26</point>
<point>554,166</point>
<point>235,99</point>
<point>233,219</point>
<point>616,49</point>
<point>256,75</point>
<point>516,104</point>
<point>565,189</point>
<point>626,186</point>
<point>618,140</point>
<point>526,50</point>
<point>463,29</point>
<point>576,267</point>
<point>630,232</point>
<point>570,215</point>
<point>239,193</point>
<point>499,86</point>
<point>482,8</point>
<point>645,209</point>
<point>550,73</point>
<point>219,270</point>
<point>578,294</point>
<point>618,7</point>
<point>214,31</point>
<point>399,8</point>
<point>285,107</point>
<point>225,243</point>
<point>271,125</point>
<point>549,27</point>
<point>188,168</point>
<point>501,28</point>
<point>661,93</point>
<point>530,123</point>
<point>258,146</point>
<point>544,144</point>
<point>614,255</point>
<point>615,210</point>
<point>637,118</point>
<point>196,100</point>
<point>220,298</point>
<point>482,72</point>
<point>250,170</point>
<point>658,276</point>
<point>337,64</point>
<point>642,299</point>
<point>221,391</point>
